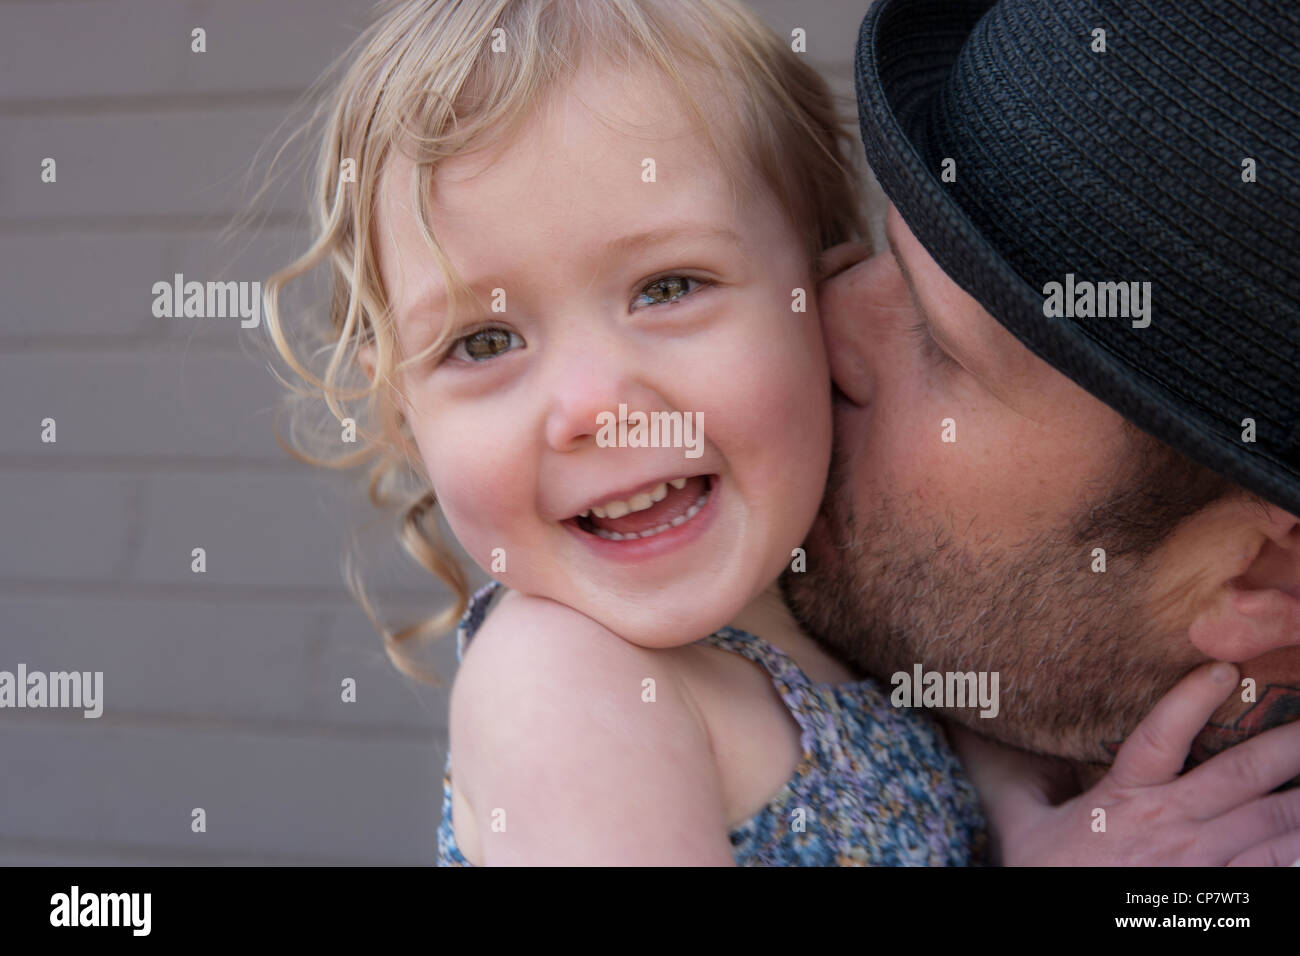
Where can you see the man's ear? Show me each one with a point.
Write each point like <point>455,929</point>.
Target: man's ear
<point>1258,609</point>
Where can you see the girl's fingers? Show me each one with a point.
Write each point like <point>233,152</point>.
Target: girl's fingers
<point>1259,823</point>
<point>1245,770</point>
<point>1157,749</point>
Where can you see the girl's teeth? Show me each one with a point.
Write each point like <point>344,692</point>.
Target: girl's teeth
<point>680,520</point>
<point>638,502</point>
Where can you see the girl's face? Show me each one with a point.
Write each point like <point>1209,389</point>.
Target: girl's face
<point>617,296</point>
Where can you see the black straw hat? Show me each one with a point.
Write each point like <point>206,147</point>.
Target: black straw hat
<point>1081,142</point>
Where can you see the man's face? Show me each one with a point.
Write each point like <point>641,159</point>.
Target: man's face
<point>979,552</point>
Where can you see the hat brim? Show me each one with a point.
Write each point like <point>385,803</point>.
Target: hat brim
<point>906,51</point>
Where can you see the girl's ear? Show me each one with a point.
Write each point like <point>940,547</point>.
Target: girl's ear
<point>366,358</point>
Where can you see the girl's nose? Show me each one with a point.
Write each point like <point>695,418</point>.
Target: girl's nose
<point>594,375</point>
<point>585,391</point>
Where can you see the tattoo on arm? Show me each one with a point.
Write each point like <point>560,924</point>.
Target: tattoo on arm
<point>1279,704</point>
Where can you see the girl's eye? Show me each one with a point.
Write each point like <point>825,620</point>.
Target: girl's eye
<point>483,345</point>
<point>667,289</point>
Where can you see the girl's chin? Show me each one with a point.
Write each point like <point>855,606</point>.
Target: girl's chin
<point>647,622</point>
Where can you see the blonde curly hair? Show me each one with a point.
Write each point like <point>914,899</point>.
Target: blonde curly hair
<point>439,78</point>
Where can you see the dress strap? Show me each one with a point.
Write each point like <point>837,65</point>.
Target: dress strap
<point>472,619</point>
<point>785,672</point>
<point>797,690</point>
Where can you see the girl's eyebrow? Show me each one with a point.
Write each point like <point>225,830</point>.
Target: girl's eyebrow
<point>435,295</point>
<point>654,237</point>
<point>432,298</point>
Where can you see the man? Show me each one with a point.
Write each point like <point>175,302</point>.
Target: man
<point>1094,239</point>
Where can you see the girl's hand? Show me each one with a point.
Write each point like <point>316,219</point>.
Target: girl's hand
<point>1142,813</point>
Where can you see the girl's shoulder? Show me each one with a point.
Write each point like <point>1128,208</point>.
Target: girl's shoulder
<point>546,694</point>
<point>531,649</point>
<point>544,632</point>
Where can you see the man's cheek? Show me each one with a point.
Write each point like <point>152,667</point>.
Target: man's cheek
<point>1004,470</point>
<point>935,462</point>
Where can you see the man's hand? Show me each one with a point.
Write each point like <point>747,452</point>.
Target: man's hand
<point>1142,813</point>
<point>836,259</point>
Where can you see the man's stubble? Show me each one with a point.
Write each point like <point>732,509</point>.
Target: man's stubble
<point>1080,655</point>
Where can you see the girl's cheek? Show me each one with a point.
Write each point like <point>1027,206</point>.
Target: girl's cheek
<point>467,524</point>
<point>481,506</point>
<point>787,391</point>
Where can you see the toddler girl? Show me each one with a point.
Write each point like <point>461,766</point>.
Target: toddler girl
<point>574,247</point>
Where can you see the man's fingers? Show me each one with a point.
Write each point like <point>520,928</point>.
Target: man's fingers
<point>1157,749</point>
<point>1258,823</point>
<point>838,258</point>
<point>1241,772</point>
<point>1282,851</point>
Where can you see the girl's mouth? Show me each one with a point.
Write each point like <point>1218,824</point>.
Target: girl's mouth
<point>668,505</point>
<point>668,517</point>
